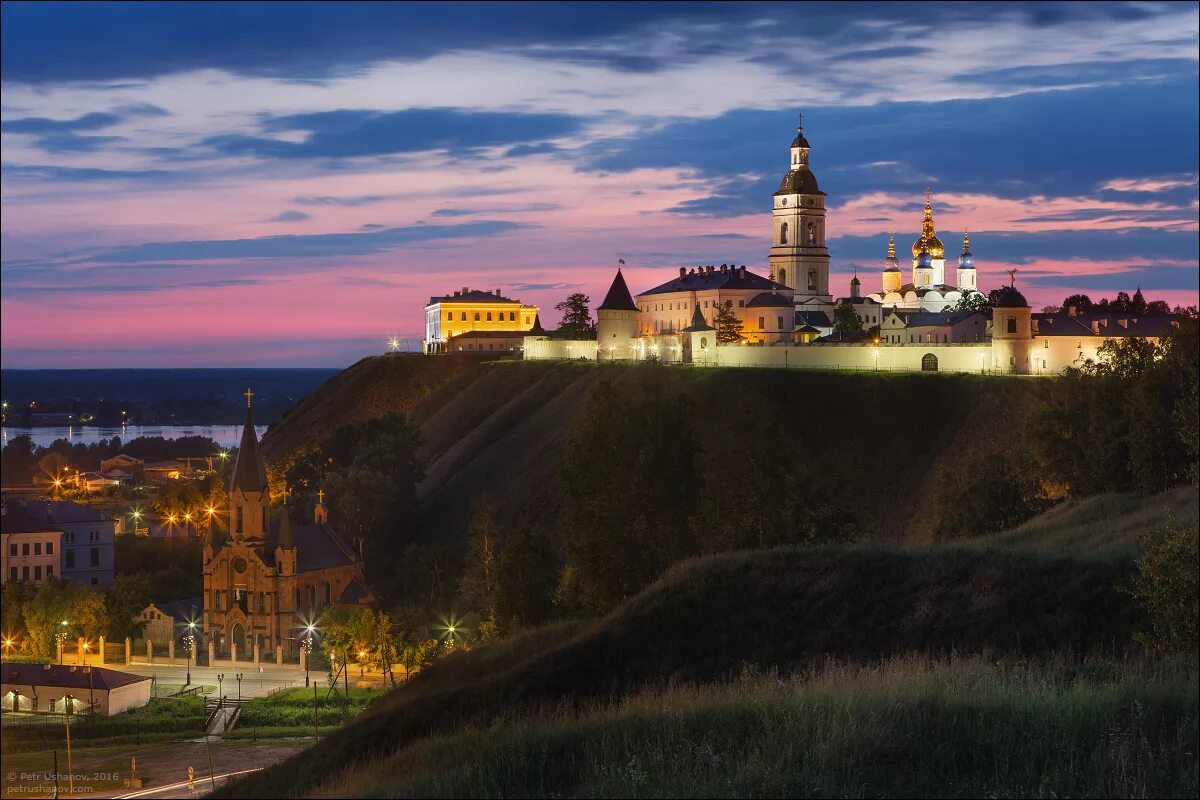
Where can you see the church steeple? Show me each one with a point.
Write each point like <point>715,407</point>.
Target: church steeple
<point>799,258</point>
<point>249,497</point>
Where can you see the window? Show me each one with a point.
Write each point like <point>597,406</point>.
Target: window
<point>780,321</point>
<point>241,518</point>
<point>512,316</point>
<point>328,594</point>
<point>37,573</point>
<point>49,548</point>
<point>37,548</point>
<point>463,317</point>
<point>25,573</point>
<point>70,559</point>
<point>812,280</point>
<point>477,316</point>
<point>929,363</point>
<point>489,316</point>
<point>449,316</point>
<point>25,548</point>
<point>761,323</point>
<point>262,603</point>
<point>94,556</point>
<point>783,276</point>
<point>741,303</point>
<point>50,571</point>
<point>12,573</point>
<point>526,319</point>
<point>783,231</point>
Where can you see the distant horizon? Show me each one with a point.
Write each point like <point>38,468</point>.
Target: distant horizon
<point>173,196</point>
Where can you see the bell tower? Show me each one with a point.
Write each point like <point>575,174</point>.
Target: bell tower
<point>799,258</point>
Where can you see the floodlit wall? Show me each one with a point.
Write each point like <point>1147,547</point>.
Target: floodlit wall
<point>893,358</point>
<point>540,348</point>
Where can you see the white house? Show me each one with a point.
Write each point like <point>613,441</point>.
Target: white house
<point>59,689</point>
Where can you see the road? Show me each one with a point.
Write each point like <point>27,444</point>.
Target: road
<point>198,785</point>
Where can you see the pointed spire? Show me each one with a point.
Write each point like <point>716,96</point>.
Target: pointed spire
<point>698,321</point>
<point>249,475</point>
<point>966,243</point>
<point>891,244</point>
<point>618,297</point>
<point>537,325</point>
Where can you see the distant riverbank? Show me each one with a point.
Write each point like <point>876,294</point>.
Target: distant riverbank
<point>224,435</point>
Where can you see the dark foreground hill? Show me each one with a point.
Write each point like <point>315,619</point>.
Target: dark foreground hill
<point>892,452</point>
<point>706,620</point>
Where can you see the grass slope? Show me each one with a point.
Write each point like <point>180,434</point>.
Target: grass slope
<point>965,727</point>
<point>706,619</point>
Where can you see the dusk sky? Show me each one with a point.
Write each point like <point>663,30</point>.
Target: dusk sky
<point>286,185</point>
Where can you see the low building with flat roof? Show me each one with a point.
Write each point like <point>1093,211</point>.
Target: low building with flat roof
<point>50,688</point>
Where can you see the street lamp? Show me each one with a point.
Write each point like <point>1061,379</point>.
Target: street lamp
<point>61,638</point>
<point>239,679</point>
<point>307,645</point>
<point>190,641</point>
<point>220,685</point>
<point>876,354</point>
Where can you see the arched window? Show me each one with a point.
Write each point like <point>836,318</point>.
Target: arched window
<point>328,594</point>
<point>783,276</point>
<point>783,229</point>
<point>929,363</point>
<point>812,280</point>
<point>1012,324</point>
<point>812,234</point>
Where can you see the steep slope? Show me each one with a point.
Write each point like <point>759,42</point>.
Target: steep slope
<point>789,608</point>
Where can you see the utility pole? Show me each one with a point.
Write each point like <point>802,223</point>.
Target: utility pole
<point>67,719</point>
<point>316,729</point>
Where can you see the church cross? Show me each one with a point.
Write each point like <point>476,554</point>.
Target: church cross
<point>321,497</point>
<point>283,494</point>
<point>928,194</point>
<point>248,395</point>
<point>1012,277</point>
<point>799,122</point>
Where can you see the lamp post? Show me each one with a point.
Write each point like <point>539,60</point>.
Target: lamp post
<point>61,638</point>
<point>190,642</point>
<point>239,680</point>
<point>220,687</point>
<point>876,354</point>
<point>307,645</point>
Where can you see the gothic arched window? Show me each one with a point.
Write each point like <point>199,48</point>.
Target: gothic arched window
<point>783,229</point>
<point>929,363</point>
<point>783,276</point>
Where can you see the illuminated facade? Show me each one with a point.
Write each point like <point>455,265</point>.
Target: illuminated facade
<point>928,289</point>
<point>470,311</point>
<point>260,584</point>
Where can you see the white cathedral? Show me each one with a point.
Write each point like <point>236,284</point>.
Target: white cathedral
<point>786,317</point>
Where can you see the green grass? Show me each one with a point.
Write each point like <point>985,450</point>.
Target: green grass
<point>292,709</point>
<point>160,719</point>
<point>906,728</point>
<point>788,609</point>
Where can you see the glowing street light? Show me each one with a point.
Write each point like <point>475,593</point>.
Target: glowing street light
<point>394,344</point>
<point>875,352</point>
<point>61,638</point>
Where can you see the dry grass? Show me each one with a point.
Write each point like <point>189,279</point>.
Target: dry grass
<point>909,727</point>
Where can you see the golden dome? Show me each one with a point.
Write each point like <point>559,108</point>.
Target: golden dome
<point>936,249</point>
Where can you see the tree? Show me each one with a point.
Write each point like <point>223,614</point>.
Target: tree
<point>1080,302</point>
<point>576,316</point>
<point>477,586</point>
<point>526,580</point>
<point>845,320</point>
<point>974,301</point>
<point>1166,586</point>
<point>18,462</point>
<point>728,325</point>
<point>629,485</point>
<point>124,603</point>
<point>1122,304</point>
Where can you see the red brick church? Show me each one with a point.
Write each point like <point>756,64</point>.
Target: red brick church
<point>263,583</point>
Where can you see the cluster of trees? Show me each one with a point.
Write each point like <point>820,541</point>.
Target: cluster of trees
<point>33,615</point>
<point>576,316</point>
<point>379,641</point>
<point>22,461</point>
<point>369,473</point>
<point>1122,304</point>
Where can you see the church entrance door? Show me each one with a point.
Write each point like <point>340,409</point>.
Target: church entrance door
<point>929,363</point>
<point>239,638</point>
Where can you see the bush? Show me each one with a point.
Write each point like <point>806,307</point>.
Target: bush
<point>1166,586</point>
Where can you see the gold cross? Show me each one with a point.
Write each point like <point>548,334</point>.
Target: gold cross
<point>928,194</point>
<point>1012,276</point>
<point>249,394</point>
<point>799,122</point>
<point>321,497</point>
<point>283,493</point>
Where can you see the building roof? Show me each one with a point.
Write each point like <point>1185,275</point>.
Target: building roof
<point>283,535</point>
<point>699,323</point>
<point>28,516</point>
<point>509,334</point>
<point>857,301</point>
<point>67,677</point>
<point>355,593</point>
<point>818,318</point>
<point>1009,297</point>
<point>249,475</point>
<point>182,611</point>
<point>770,300</point>
<point>1110,325</point>
<point>472,296</point>
<point>799,181</point>
<point>703,280</point>
<point>846,336</point>
<point>938,319</point>
<point>318,547</point>
<point>618,297</point>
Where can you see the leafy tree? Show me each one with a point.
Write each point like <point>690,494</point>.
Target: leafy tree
<point>974,301</point>
<point>129,595</point>
<point>527,577</point>
<point>18,463</point>
<point>1080,302</point>
<point>576,315</point>
<point>44,613</point>
<point>845,320</point>
<point>1158,308</point>
<point>728,325</point>
<point>1166,586</point>
<point>1122,304</point>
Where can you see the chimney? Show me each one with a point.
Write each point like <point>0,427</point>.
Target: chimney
<point>1095,326</point>
<point>743,271</point>
<point>465,290</point>
<point>683,272</point>
<point>1072,311</point>
<point>456,292</point>
<point>497,293</point>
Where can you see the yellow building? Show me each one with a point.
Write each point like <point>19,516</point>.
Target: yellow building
<point>473,310</point>
<point>764,306</point>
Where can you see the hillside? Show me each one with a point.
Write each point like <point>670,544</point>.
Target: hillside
<point>500,426</point>
<point>704,621</point>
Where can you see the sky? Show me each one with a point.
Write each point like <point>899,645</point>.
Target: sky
<point>274,184</point>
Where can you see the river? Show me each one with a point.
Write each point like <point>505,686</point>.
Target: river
<point>224,435</point>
